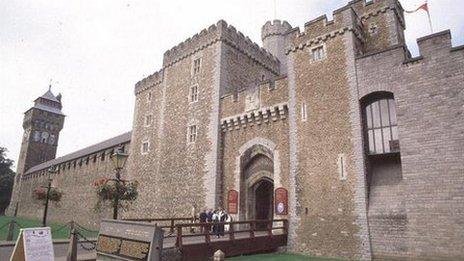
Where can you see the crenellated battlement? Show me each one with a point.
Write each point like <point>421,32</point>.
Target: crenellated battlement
<point>275,27</point>
<point>436,43</point>
<point>267,93</point>
<point>321,29</point>
<point>148,82</point>
<point>221,31</point>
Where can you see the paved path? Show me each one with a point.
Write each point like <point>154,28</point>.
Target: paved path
<point>61,246</point>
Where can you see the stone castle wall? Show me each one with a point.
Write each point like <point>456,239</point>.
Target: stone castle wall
<point>422,210</point>
<point>307,116</point>
<point>75,180</point>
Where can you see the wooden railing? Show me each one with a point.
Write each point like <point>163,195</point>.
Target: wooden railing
<point>232,231</point>
<point>166,223</point>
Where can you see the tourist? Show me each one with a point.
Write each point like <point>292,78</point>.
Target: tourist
<point>215,223</point>
<point>209,218</point>
<point>228,219</point>
<point>203,217</point>
<point>222,218</point>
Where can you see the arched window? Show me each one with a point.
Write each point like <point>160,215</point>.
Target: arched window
<point>381,127</point>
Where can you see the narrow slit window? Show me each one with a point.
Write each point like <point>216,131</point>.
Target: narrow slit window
<point>148,120</point>
<point>304,115</point>
<point>342,167</point>
<point>145,147</point>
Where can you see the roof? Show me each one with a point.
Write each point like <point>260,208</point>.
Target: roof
<point>48,108</point>
<point>123,138</point>
<point>50,96</point>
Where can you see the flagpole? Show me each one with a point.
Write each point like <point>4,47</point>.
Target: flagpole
<point>430,20</point>
<point>275,10</point>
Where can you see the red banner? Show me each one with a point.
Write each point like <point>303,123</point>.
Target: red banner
<point>281,201</point>
<point>232,202</point>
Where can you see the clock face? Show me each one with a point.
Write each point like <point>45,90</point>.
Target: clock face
<point>26,134</point>
<point>44,135</point>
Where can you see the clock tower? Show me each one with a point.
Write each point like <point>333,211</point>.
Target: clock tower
<point>42,124</point>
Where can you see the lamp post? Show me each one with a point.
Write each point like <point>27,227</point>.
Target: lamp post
<point>51,170</point>
<point>119,160</point>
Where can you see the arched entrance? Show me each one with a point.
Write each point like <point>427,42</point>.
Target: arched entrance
<point>257,184</point>
<point>264,198</point>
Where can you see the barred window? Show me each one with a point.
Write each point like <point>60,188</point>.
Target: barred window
<point>194,93</point>
<point>196,66</point>
<point>318,54</point>
<point>192,133</point>
<point>381,126</point>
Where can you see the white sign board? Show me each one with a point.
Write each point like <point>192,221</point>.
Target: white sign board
<point>34,244</point>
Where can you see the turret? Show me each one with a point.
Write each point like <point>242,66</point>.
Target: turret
<point>274,36</point>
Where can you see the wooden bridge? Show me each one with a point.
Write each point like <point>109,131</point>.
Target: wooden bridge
<point>196,241</point>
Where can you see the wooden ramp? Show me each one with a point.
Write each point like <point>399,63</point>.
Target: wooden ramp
<point>196,241</point>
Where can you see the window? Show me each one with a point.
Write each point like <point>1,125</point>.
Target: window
<point>194,93</point>
<point>304,114</point>
<point>318,53</point>
<point>103,156</point>
<point>145,147</point>
<point>381,126</point>
<point>148,119</point>
<point>51,140</point>
<point>341,166</point>
<point>192,133</point>
<point>196,66</point>
<point>373,29</point>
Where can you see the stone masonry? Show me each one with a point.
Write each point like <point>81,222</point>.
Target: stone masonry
<point>366,140</point>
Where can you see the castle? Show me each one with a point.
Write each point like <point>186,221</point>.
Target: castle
<point>334,127</point>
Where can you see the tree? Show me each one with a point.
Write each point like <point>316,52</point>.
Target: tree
<point>6,180</point>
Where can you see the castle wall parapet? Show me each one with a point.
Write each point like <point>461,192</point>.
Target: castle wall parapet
<point>227,34</point>
<point>148,82</point>
<point>258,117</point>
<point>268,92</point>
<point>321,29</point>
<point>275,27</point>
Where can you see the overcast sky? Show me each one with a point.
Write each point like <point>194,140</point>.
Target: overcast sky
<point>95,51</point>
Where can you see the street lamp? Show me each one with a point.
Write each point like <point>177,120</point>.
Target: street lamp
<point>51,170</point>
<point>119,160</point>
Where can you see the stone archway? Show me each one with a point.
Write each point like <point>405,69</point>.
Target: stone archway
<point>256,183</point>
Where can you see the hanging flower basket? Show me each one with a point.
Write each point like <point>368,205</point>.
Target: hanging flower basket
<point>41,194</point>
<point>106,190</point>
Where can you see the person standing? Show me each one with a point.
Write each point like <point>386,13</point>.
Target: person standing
<point>216,226</point>
<point>203,217</point>
<point>222,218</point>
<point>209,218</point>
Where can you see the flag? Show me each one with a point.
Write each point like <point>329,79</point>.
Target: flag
<point>424,7</point>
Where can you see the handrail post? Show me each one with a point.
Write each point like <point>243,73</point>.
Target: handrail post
<point>231,232</point>
<point>172,226</point>
<point>179,237</point>
<point>286,226</point>
<point>207,235</point>
<point>71,228</point>
<point>269,227</point>
<point>9,236</point>
<point>252,229</point>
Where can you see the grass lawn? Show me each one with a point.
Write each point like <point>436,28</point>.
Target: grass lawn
<point>278,257</point>
<point>59,231</point>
